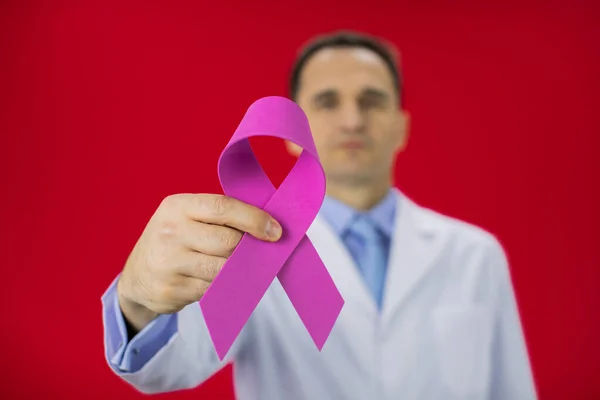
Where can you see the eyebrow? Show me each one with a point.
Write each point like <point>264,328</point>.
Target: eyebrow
<point>369,92</point>
<point>376,93</point>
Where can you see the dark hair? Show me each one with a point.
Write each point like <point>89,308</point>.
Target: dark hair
<point>346,39</point>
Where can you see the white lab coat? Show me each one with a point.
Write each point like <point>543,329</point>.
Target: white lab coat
<point>449,328</point>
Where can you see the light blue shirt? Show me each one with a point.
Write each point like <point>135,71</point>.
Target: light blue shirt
<point>131,356</point>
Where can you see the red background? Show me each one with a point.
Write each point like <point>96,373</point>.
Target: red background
<point>106,110</point>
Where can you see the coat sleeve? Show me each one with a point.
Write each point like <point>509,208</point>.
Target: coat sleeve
<point>175,352</point>
<point>512,376</point>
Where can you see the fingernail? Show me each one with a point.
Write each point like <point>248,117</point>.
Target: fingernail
<point>273,230</point>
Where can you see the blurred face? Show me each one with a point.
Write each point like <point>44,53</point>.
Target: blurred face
<point>349,98</point>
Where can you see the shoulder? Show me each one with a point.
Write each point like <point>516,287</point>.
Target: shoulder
<point>460,230</point>
<point>468,256</point>
<point>463,231</point>
<point>460,237</point>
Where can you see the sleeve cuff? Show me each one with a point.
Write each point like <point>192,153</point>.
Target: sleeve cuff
<point>130,357</point>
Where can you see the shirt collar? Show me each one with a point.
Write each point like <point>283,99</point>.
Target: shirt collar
<point>340,215</point>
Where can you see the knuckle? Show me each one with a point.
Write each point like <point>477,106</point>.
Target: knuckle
<point>199,200</point>
<point>213,266</point>
<point>228,240</point>
<point>221,205</point>
<point>167,230</point>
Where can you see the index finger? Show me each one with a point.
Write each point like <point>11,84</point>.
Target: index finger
<point>226,211</point>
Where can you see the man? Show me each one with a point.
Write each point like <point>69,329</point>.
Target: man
<point>429,312</point>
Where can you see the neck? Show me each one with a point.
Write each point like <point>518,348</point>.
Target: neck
<point>359,197</point>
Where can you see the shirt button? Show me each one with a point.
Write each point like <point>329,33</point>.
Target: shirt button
<point>136,351</point>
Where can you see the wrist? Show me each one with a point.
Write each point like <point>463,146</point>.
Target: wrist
<point>136,315</point>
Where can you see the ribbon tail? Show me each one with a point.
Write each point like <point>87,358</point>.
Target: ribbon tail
<point>234,294</point>
<point>312,291</point>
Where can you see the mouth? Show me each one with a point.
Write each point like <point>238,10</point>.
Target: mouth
<point>353,145</point>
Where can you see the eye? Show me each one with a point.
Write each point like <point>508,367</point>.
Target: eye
<point>370,102</point>
<point>327,103</point>
<point>326,100</point>
<point>373,99</point>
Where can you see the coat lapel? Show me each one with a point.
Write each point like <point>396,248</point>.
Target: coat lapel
<point>415,246</point>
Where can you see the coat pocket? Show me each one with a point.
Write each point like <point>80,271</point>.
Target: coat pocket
<point>463,341</point>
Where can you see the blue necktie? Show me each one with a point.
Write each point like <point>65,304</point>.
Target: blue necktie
<point>372,260</point>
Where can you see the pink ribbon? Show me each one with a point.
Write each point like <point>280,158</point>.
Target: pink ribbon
<point>238,288</point>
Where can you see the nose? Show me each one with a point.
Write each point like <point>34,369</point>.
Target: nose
<point>351,118</point>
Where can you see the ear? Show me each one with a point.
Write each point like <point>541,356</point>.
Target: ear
<point>403,130</point>
<point>293,148</point>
